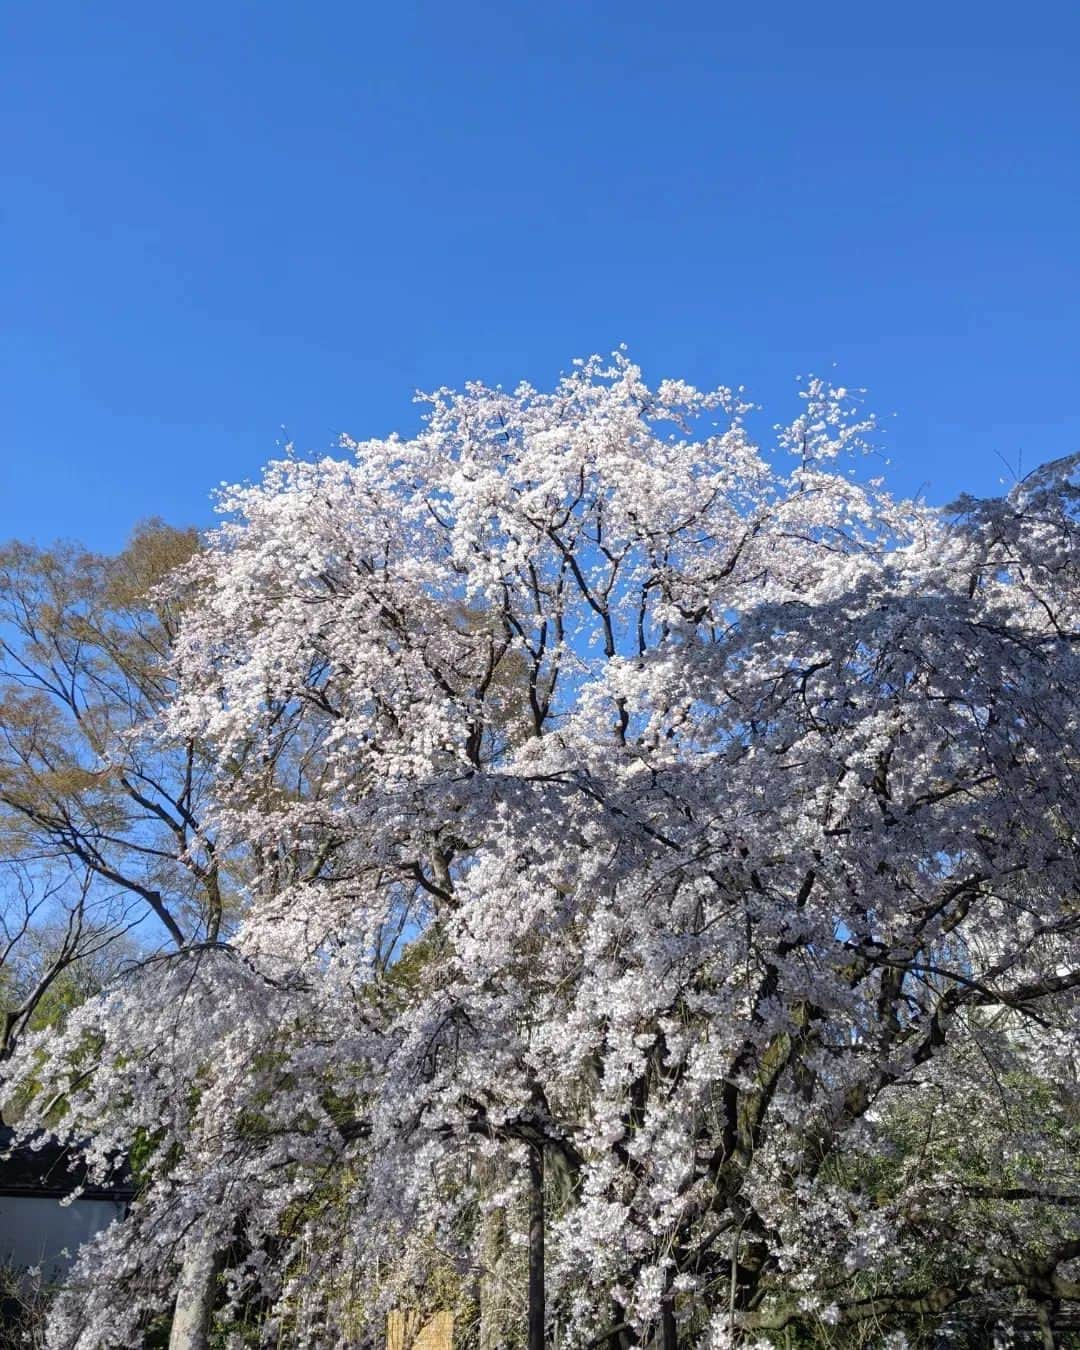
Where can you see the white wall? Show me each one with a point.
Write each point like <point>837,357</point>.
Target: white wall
<point>34,1230</point>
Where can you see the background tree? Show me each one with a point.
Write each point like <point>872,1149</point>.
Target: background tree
<point>60,943</point>
<point>85,643</point>
<point>101,826</point>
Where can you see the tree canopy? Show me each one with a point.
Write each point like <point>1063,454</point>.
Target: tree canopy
<point>659,882</point>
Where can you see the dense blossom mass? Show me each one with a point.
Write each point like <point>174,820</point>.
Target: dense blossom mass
<point>660,895</point>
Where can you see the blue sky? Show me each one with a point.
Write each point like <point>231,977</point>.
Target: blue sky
<point>221,220</point>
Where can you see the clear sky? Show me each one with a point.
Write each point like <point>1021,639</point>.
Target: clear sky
<point>222,219</point>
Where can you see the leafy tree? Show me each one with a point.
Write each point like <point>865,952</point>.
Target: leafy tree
<point>85,642</point>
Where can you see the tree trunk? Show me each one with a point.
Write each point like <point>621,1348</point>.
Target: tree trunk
<point>536,1248</point>
<point>1046,1329</point>
<point>492,1298</point>
<point>195,1295</point>
<point>622,1336</point>
<point>669,1331</point>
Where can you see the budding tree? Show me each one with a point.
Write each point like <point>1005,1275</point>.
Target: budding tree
<point>665,862</point>
<point>83,670</point>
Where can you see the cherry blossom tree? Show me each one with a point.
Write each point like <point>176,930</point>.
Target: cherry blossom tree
<point>664,889</point>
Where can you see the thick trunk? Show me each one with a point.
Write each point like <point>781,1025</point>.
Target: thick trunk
<point>195,1294</point>
<point>492,1291</point>
<point>536,1248</point>
<point>669,1332</point>
<point>1046,1329</point>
